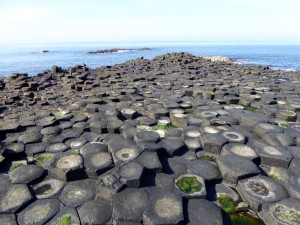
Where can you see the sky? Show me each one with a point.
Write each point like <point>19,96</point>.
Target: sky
<point>36,21</point>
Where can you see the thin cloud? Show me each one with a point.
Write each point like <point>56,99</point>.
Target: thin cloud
<point>24,13</point>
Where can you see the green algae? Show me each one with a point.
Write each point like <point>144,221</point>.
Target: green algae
<point>277,179</point>
<point>42,159</point>
<point>249,108</point>
<point>245,218</point>
<point>165,126</point>
<point>227,203</point>
<point>15,166</point>
<point>65,221</point>
<point>283,125</point>
<point>189,185</point>
<point>208,158</point>
<point>189,111</point>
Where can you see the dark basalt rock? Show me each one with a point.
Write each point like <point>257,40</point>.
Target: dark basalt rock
<point>121,136</point>
<point>95,212</point>
<point>39,212</point>
<point>164,208</point>
<point>77,193</point>
<point>203,212</point>
<point>129,205</point>
<point>26,174</point>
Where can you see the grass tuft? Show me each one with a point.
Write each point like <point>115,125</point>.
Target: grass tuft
<point>189,185</point>
<point>227,203</point>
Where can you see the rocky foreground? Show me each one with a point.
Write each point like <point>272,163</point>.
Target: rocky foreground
<point>178,139</point>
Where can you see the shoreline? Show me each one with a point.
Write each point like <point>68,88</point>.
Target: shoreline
<point>178,139</point>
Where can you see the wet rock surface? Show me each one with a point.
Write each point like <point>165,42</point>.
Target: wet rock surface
<point>178,139</point>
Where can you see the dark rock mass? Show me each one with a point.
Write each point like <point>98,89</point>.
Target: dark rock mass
<point>178,140</point>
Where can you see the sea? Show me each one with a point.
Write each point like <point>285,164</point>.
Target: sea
<point>30,59</point>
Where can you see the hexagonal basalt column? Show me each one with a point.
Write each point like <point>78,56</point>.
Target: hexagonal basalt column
<point>131,174</point>
<point>66,167</point>
<point>240,150</point>
<point>234,168</point>
<point>260,189</point>
<point>286,211</point>
<point>203,212</point>
<point>129,205</point>
<point>164,208</point>
<point>274,156</point>
<point>96,163</point>
<point>13,197</point>
<point>39,212</point>
<point>212,142</point>
<point>49,188</point>
<point>76,193</point>
<point>95,212</point>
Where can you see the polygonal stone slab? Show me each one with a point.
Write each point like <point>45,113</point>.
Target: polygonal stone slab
<point>67,166</point>
<point>240,150</point>
<point>97,163</point>
<point>286,211</point>
<point>26,174</point>
<point>295,167</point>
<point>234,168</point>
<point>129,205</point>
<point>13,197</point>
<point>203,168</point>
<point>65,214</point>
<point>274,156</point>
<point>234,137</point>
<point>131,174</point>
<point>212,142</point>
<point>39,212</point>
<point>8,219</point>
<point>164,208</point>
<point>13,149</point>
<point>77,193</point>
<point>125,155</point>
<point>172,147</point>
<point>147,136</point>
<point>95,212</point>
<point>48,188</point>
<point>32,149</point>
<point>93,147</point>
<point>293,187</point>
<point>260,189</point>
<point>30,137</point>
<point>150,161</point>
<point>203,212</point>
<point>57,147</point>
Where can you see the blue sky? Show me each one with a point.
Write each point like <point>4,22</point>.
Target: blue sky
<point>149,20</point>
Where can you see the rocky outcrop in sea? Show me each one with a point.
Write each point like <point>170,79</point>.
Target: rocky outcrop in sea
<point>178,139</point>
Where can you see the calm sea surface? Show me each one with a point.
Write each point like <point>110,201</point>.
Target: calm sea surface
<point>30,58</point>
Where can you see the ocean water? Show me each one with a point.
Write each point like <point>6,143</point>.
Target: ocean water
<point>29,58</point>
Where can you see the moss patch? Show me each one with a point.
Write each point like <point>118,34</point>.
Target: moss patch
<point>283,125</point>
<point>65,221</point>
<point>245,219</point>
<point>15,166</point>
<point>42,159</point>
<point>208,158</point>
<point>275,178</point>
<point>165,126</point>
<point>227,203</point>
<point>74,152</point>
<point>189,185</point>
<point>249,108</point>
<point>189,111</point>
